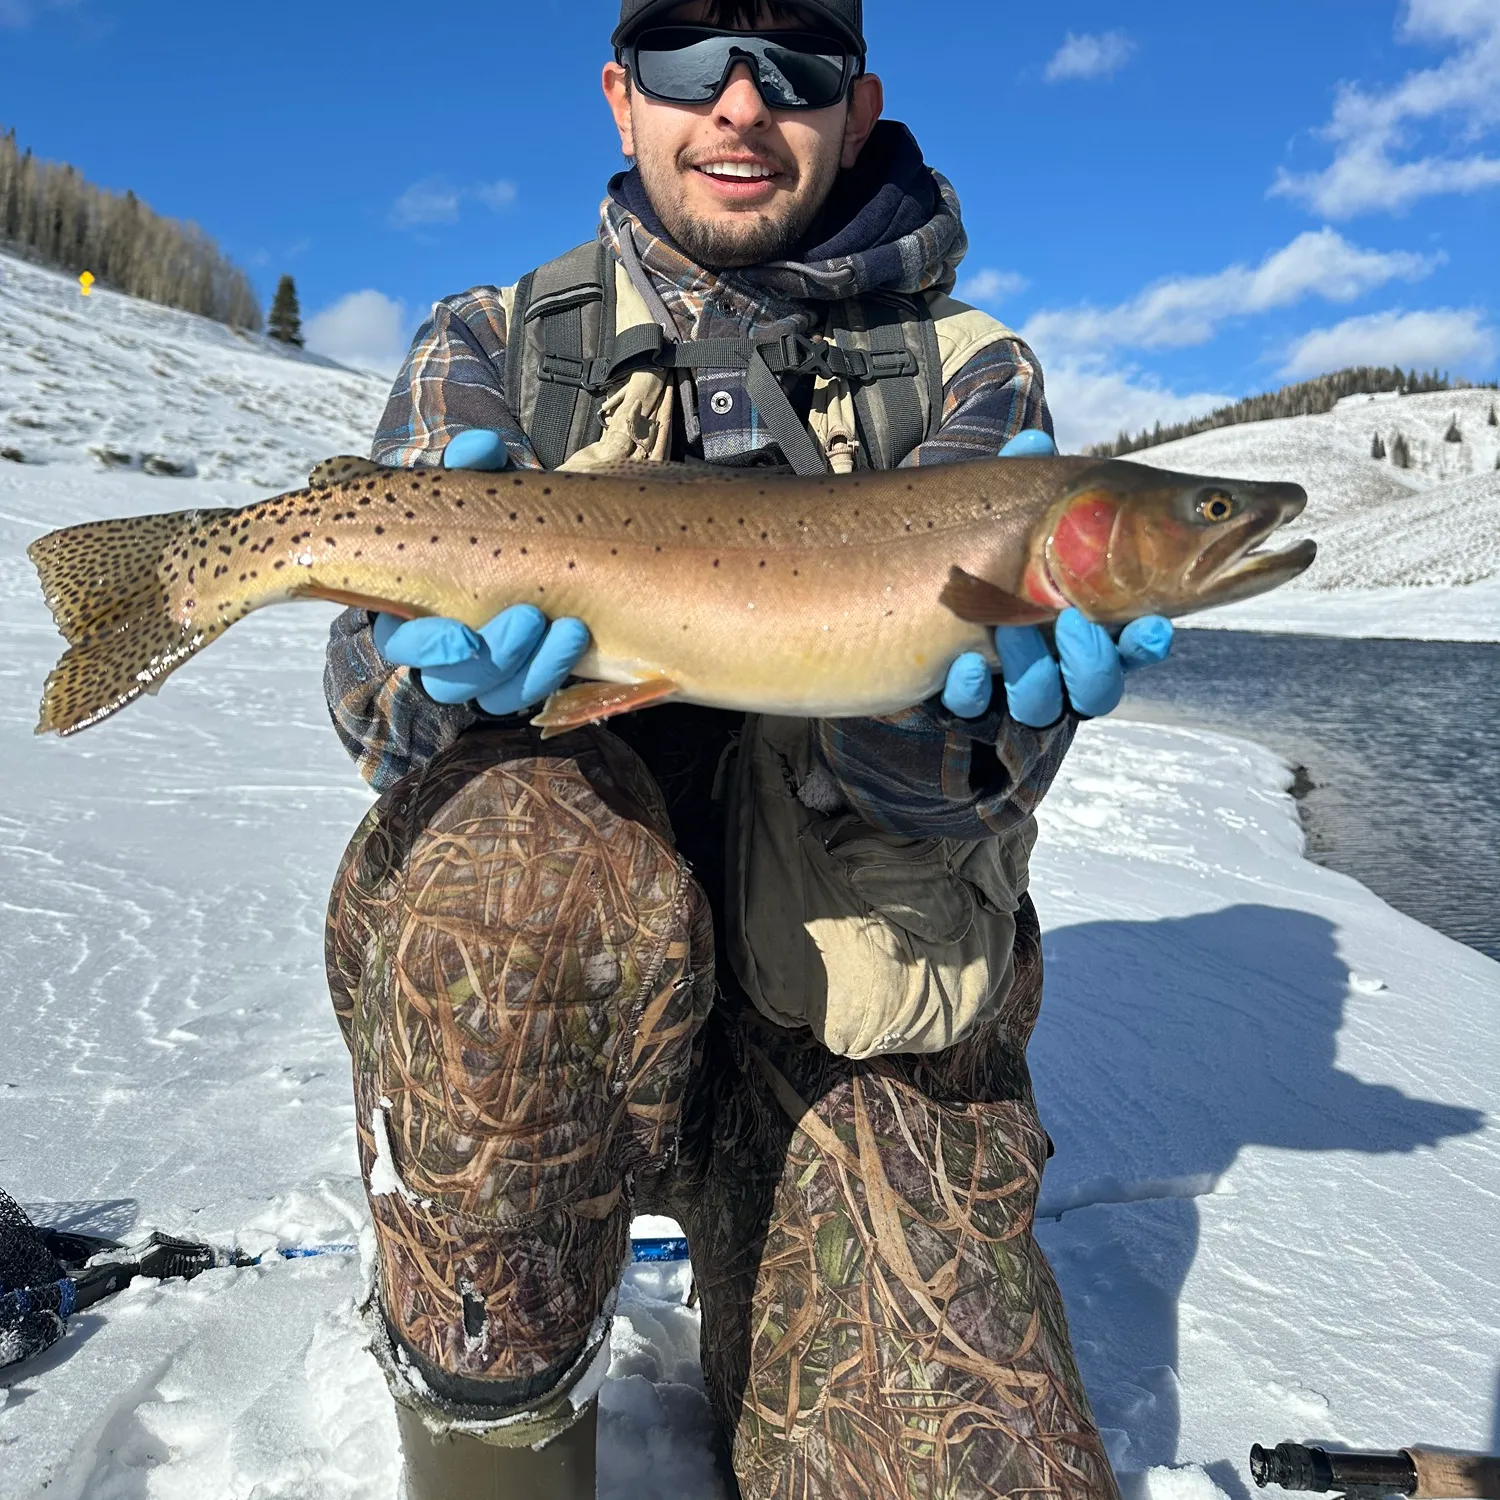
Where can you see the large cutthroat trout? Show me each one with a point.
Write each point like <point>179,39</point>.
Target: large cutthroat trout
<point>817,597</point>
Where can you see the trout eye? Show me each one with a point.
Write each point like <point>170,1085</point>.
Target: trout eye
<point>1215,505</point>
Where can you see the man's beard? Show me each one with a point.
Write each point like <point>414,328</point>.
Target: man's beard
<point>735,239</point>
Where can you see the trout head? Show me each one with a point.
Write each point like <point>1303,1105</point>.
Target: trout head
<point>1127,540</point>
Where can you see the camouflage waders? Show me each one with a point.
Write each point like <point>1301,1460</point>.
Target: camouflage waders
<point>523,969</point>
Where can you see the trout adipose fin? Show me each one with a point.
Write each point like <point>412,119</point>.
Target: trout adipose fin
<point>336,470</point>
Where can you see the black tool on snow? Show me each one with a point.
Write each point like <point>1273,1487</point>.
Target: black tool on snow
<point>1421,1473</point>
<point>47,1275</point>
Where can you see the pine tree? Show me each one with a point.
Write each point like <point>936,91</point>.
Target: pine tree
<point>1494,420</point>
<point>1453,435</point>
<point>1400,452</point>
<point>285,322</point>
<point>1377,448</point>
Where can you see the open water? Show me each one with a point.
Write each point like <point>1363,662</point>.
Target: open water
<point>1399,745</point>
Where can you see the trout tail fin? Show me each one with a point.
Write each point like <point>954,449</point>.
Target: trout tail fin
<point>105,585</point>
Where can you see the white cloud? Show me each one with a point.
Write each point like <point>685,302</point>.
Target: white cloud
<point>1092,55</point>
<point>1372,132</point>
<point>366,330</point>
<point>496,195</point>
<point>1445,338</point>
<point>431,201</point>
<point>1185,310</point>
<point>435,200</point>
<point>990,285</point>
<point>1092,402</point>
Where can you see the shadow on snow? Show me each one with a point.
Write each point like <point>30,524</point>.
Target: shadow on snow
<point>1164,1047</point>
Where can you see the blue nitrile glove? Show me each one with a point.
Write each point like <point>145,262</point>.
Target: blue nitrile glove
<point>1088,661</point>
<point>477,448</point>
<point>511,663</point>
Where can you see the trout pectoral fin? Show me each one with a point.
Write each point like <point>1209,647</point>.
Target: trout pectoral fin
<point>983,603</point>
<point>588,702</point>
<point>338,470</point>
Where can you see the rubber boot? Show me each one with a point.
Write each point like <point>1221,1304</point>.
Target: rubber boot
<point>459,1465</point>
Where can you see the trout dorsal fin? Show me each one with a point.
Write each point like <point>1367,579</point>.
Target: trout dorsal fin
<point>338,470</point>
<point>983,603</point>
<point>690,471</point>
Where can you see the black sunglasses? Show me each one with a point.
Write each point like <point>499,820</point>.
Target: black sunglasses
<point>692,64</point>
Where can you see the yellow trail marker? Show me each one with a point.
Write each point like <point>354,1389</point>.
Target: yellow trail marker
<point>86,281</point>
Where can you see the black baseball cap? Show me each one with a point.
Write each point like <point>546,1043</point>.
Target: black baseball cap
<point>845,18</point>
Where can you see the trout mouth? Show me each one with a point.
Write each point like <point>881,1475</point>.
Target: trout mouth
<point>1237,565</point>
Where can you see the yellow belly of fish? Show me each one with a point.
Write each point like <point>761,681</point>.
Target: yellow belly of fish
<point>818,634</point>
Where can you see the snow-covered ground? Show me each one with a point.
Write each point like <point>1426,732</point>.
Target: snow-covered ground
<point>1274,1202</point>
<point>1412,552</point>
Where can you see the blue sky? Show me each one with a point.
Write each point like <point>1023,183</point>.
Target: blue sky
<point>1178,202</point>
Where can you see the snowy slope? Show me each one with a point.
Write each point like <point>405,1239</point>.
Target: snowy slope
<point>1403,552</point>
<point>1273,1206</point>
<point>108,374</point>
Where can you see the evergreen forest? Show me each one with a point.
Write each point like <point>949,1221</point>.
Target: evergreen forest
<point>50,214</point>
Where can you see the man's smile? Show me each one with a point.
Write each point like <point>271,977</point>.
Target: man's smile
<point>739,178</point>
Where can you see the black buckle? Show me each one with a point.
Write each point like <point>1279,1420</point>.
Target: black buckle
<point>796,354</point>
<point>581,374</point>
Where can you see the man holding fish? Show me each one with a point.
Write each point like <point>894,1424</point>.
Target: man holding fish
<point>761,958</point>
<point>877,1317</point>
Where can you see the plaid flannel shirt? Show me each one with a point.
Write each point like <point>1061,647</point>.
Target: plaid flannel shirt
<point>922,772</point>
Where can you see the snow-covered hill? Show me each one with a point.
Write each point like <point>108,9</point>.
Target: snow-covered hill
<point>108,380</point>
<point>1402,552</point>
